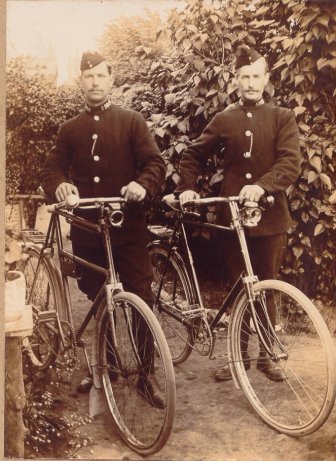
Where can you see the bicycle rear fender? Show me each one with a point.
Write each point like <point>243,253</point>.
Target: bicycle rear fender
<point>178,260</point>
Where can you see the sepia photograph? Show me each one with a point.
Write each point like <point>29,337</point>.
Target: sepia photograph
<point>169,230</point>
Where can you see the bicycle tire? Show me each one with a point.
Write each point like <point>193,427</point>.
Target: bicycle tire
<point>175,296</point>
<point>142,426</point>
<point>300,403</point>
<point>43,345</point>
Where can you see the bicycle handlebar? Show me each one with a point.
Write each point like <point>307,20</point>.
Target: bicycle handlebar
<point>174,203</point>
<point>73,201</point>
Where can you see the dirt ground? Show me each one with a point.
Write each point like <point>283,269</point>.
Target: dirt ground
<point>213,421</point>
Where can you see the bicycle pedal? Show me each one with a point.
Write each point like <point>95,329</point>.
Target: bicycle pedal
<point>46,316</point>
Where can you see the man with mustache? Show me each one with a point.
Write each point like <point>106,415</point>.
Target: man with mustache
<point>261,155</point>
<point>107,150</point>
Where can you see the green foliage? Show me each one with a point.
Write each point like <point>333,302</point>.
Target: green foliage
<point>35,109</point>
<point>198,80</point>
<point>130,45</point>
<point>302,50</point>
<point>185,70</point>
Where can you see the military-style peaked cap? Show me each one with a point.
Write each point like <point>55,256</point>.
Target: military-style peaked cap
<point>90,59</point>
<point>245,56</point>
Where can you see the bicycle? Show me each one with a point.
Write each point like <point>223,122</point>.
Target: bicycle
<point>129,350</point>
<point>299,344</point>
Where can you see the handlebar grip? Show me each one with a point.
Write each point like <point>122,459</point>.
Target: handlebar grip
<point>172,202</point>
<point>72,201</point>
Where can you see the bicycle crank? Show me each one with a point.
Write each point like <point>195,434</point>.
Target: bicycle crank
<point>202,337</point>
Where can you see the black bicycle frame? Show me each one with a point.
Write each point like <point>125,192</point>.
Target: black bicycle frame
<point>54,233</point>
<point>244,281</point>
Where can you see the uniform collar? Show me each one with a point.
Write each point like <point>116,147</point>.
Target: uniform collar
<point>251,104</point>
<point>97,109</point>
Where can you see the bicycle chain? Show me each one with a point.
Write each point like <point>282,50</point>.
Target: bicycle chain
<point>69,352</point>
<point>202,337</point>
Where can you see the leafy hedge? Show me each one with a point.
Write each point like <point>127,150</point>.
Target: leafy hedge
<point>191,79</point>
<point>300,45</point>
<point>34,111</point>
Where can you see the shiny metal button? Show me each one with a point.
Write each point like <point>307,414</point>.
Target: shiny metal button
<point>94,136</point>
<point>248,133</point>
<point>249,114</point>
<point>248,176</point>
<point>96,179</point>
<point>247,154</point>
<point>96,158</point>
<point>96,117</point>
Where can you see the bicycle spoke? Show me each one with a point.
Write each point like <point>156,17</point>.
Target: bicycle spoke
<point>130,350</point>
<point>170,303</point>
<point>42,294</point>
<point>300,402</point>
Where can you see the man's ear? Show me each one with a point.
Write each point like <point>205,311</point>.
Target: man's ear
<point>267,76</point>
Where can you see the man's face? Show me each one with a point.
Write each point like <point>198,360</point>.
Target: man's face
<point>96,84</point>
<point>252,80</point>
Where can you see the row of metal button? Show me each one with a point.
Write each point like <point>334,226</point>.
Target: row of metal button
<point>248,154</point>
<point>96,158</point>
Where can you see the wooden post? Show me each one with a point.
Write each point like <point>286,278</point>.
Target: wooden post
<point>18,324</point>
<point>14,430</point>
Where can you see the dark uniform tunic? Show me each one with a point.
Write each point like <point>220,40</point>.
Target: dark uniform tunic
<point>261,146</point>
<point>100,151</point>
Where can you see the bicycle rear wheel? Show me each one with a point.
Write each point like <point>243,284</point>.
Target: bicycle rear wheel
<point>126,344</point>
<point>42,292</point>
<point>174,298</point>
<point>301,402</point>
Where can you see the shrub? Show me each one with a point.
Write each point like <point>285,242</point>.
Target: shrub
<point>35,109</point>
<point>198,80</point>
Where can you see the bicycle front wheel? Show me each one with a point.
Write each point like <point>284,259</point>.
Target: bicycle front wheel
<point>135,360</point>
<point>42,292</point>
<point>303,357</point>
<point>171,301</point>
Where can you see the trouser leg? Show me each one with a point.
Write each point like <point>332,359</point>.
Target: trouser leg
<point>266,255</point>
<point>132,262</point>
<point>135,271</point>
<point>90,281</point>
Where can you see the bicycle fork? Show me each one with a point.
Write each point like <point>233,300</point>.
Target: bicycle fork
<point>255,296</point>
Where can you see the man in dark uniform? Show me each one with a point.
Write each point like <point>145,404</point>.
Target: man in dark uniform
<point>107,150</point>
<point>261,156</point>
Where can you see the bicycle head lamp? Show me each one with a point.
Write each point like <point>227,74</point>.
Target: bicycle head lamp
<point>116,216</point>
<point>251,214</point>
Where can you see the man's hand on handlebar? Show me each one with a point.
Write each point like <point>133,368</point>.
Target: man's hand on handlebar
<point>188,196</point>
<point>133,192</point>
<point>64,189</point>
<point>251,193</point>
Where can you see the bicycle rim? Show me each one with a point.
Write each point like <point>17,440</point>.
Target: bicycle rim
<point>300,403</point>
<point>174,298</point>
<point>142,426</point>
<point>43,345</point>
